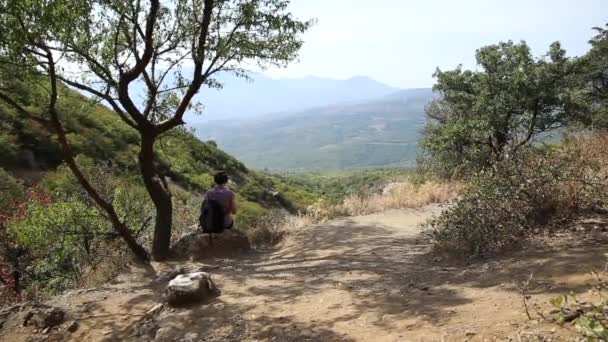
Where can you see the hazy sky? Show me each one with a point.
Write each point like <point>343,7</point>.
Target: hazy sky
<point>401,42</point>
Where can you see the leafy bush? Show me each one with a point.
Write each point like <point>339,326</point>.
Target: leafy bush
<point>248,214</point>
<point>62,238</point>
<point>134,207</point>
<point>336,186</point>
<point>501,206</point>
<point>11,190</point>
<point>490,215</point>
<point>8,147</point>
<point>589,317</point>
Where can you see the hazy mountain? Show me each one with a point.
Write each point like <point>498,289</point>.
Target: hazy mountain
<point>379,132</point>
<point>241,98</point>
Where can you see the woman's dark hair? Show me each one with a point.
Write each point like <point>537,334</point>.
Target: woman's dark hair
<point>221,178</point>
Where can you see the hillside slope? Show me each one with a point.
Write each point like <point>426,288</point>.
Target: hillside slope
<point>381,132</point>
<point>96,133</point>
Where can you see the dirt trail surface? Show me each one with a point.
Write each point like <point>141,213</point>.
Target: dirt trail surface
<point>368,278</point>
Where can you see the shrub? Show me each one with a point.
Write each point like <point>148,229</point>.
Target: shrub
<point>134,207</point>
<point>248,214</point>
<point>11,191</point>
<point>272,228</point>
<point>589,317</point>
<point>62,238</point>
<point>186,210</point>
<point>489,215</point>
<point>529,190</point>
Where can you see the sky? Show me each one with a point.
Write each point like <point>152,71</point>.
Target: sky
<point>402,42</point>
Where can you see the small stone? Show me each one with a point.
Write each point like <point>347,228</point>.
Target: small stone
<point>155,309</point>
<point>470,333</point>
<point>46,330</point>
<point>107,332</point>
<point>423,287</point>
<point>72,327</point>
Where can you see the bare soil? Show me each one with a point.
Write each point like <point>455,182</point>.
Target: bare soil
<point>369,278</point>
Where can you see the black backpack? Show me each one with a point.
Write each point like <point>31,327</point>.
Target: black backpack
<point>212,217</point>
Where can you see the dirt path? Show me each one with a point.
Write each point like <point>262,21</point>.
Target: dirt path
<point>365,278</point>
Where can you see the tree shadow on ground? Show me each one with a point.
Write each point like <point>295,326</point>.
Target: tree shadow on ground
<point>386,273</point>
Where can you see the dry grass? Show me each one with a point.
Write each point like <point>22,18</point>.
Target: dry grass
<point>401,196</point>
<point>587,157</point>
<point>273,228</point>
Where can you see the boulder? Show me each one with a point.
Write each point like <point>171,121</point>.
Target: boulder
<point>197,246</point>
<point>190,288</point>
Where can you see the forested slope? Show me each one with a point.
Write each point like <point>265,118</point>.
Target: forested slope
<point>97,133</point>
<point>52,236</point>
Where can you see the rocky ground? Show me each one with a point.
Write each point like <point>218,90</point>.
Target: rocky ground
<point>369,278</point>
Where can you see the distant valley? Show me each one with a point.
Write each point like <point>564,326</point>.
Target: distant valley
<point>367,133</point>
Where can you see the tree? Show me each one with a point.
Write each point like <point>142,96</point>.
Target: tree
<point>594,77</point>
<point>108,48</point>
<point>482,117</point>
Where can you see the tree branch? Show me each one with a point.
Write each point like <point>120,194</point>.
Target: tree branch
<point>198,78</point>
<point>23,111</point>
<point>104,96</point>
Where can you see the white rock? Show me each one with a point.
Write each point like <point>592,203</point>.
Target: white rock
<point>190,337</point>
<point>166,334</point>
<point>190,287</point>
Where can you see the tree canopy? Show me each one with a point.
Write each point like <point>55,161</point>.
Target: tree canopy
<point>594,70</point>
<point>170,49</point>
<point>483,116</point>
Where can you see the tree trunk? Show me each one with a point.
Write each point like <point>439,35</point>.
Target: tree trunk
<point>161,197</point>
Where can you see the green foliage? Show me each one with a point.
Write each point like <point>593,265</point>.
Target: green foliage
<point>62,238</point>
<point>98,136</point>
<point>593,68</point>
<point>335,186</point>
<point>134,206</point>
<point>248,214</point>
<point>8,147</point>
<point>193,162</point>
<point>375,134</point>
<point>502,206</point>
<point>533,188</point>
<point>590,318</point>
<point>484,116</point>
<point>11,191</point>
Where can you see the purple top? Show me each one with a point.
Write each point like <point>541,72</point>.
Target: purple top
<point>225,197</point>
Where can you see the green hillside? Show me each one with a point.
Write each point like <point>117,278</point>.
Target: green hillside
<point>28,151</point>
<point>383,132</point>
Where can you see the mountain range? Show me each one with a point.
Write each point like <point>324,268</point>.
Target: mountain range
<point>259,95</point>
